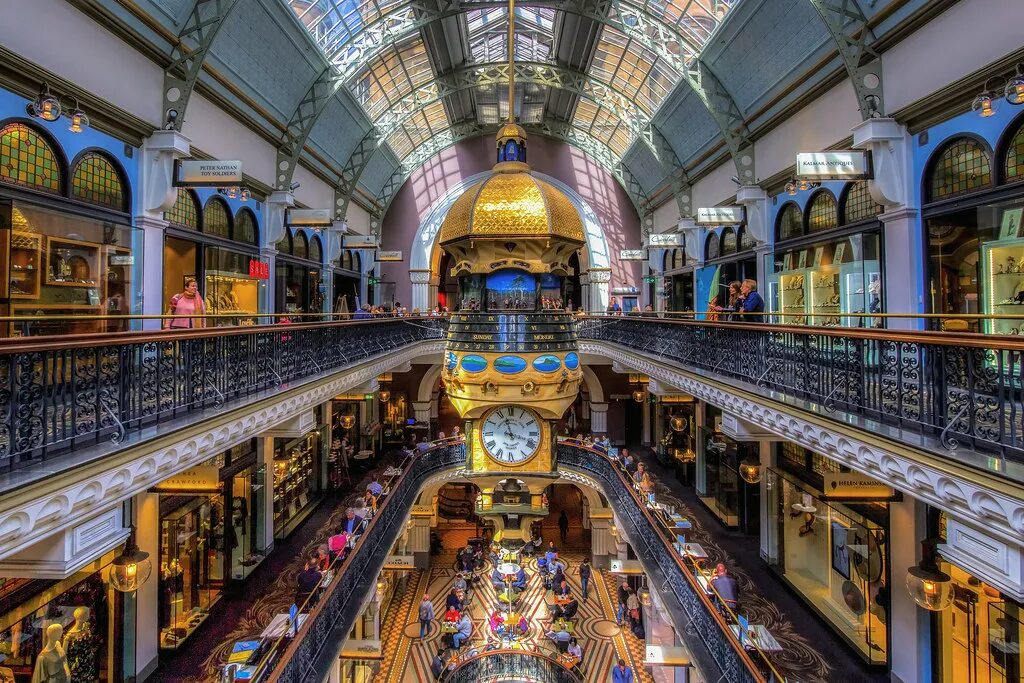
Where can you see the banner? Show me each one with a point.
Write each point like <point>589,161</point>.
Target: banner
<point>212,173</point>
<point>720,215</point>
<point>851,164</point>
<point>308,217</point>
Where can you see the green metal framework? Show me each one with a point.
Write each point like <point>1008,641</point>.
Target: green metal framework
<point>852,34</point>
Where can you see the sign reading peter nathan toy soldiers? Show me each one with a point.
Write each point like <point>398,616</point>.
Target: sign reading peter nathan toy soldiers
<point>209,173</point>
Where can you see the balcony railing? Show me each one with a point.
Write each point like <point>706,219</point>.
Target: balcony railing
<point>58,393</point>
<point>709,637</point>
<point>959,391</point>
<point>515,665</point>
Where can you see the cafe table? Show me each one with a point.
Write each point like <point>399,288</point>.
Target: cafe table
<point>362,455</point>
<point>568,661</point>
<point>449,627</point>
<point>759,636</point>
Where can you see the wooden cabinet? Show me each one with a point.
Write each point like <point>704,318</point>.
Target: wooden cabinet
<point>26,264</point>
<point>71,263</point>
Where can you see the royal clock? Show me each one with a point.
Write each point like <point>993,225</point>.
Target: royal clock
<point>511,434</point>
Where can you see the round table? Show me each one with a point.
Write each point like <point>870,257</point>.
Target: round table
<point>362,455</point>
<point>508,569</point>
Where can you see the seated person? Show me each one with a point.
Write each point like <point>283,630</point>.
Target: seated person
<point>453,601</point>
<point>464,629</point>
<point>560,638</point>
<point>497,580</point>
<point>307,581</point>
<point>520,582</point>
<point>566,611</point>
<point>575,650</point>
<point>496,620</point>
<point>460,583</point>
<point>562,588</point>
<point>338,543</point>
<point>524,625</point>
<point>374,487</point>
<point>351,524</point>
<point>558,575</point>
<point>725,585</point>
<point>451,615</point>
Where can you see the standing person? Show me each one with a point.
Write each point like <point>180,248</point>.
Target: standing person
<point>750,303</point>
<point>188,302</point>
<point>622,673</point>
<point>624,591</point>
<point>728,308</point>
<point>563,526</point>
<point>585,571</point>
<point>426,615</point>
<point>613,307</point>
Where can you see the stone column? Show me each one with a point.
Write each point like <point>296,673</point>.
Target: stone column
<point>645,419</point>
<point>274,230</point>
<point>909,625</point>
<point>147,607</point>
<point>598,418</point>
<point>420,280</point>
<point>422,411</point>
<point>419,542</point>
<point>584,295</point>
<point>265,459</point>
<point>768,525</point>
<point>700,481</point>
<point>599,286</point>
<point>754,200</point>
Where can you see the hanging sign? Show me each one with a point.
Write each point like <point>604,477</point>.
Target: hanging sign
<point>624,290</point>
<point>631,255</point>
<point>359,241</point>
<point>200,478</point>
<point>211,173</point>
<point>400,562</point>
<point>854,486</point>
<point>849,164</point>
<point>720,215</point>
<point>389,256</point>
<point>665,239</point>
<point>259,269</point>
<point>313,218</point>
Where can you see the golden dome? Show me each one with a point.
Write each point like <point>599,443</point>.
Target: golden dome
<point>511,130</point>
<point>508,205</point>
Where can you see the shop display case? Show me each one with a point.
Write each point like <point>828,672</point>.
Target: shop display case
<point>26,264</point>
<point>861,290</point>
<point>793,296</point>
<point>231,294</point>
<point>825,284</point>
<point>117,284</point>
<point>72,263</point>
<point>1002,270</point>
<point>295,479</point>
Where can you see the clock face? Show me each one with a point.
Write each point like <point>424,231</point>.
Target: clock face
<point>511,434</point>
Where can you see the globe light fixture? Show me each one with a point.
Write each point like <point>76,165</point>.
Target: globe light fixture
<point>1014,90</point>
<point>79,121</point>
<point>677,423</point>
<point>348,420</point>
<point>45,106</point>
<point>131,568</point>
<point>791,188</point>
<point>930,587</point>
<point>750,471</point>
<point>983,105</point>
<point>384,394</point>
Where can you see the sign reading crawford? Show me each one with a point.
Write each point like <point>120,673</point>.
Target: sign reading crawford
<point>309,217</point>
<point>850,164</point>
<point>631,255</point>
<point>211,173</point>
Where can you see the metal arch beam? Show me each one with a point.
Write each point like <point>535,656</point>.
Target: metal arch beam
<point>576,137</point>
<point>852,34</point>
<point>627,16</point>
<point>730,120</point>
<point>187,56</point>
<point>571,80</point>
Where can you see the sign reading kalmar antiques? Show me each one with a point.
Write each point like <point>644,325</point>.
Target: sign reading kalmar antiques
<point>209,173</point>
<point>389,256</point>
<point>308,217</point>
<point>720,215</point>
<point>631,255</point>
<point>664,239</point>
<point>854,486</point>
<point>849,164</point>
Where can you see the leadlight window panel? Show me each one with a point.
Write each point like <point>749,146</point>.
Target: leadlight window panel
<point>729,243</point>
<point>747,241</point>
<point>357,262</point>
<point>677,258</point>
<point>316,252</point>
<point>487,30</point>
<point>216,218</point>
<point>346,260</point>
<point>1015,157</point>
<point>284,245</point>
<point>791,222</point>
<point>300,245</point>
<point>185,212</point>
<point>393,74</point>
<point>823,465</point>
<point>962,167</point>
<point>246,229</point>
<point>822,214</point>
<point>27,160</point>
<point>859,206</point>
<point>95,180</point>
<point>711,247</point>
<point>794,454</point>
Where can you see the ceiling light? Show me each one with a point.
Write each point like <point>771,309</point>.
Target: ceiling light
<point>232,192</point>
<point>45,106</point>
<point>803,185</point>
<point>79,121</point>
<point>1015,88</point>
<point>791,188</point>
<point>983,105</point>
<point>244,194</point>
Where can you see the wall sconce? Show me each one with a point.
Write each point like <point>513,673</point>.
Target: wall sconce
<point>131,568</point>
<point>79,121</point>
<point>930,587</point>
<point>45,106</point>
<point>384,394</point>
<point>791,188</point>
<point>348,420</point>
<point>244,194</point>
<point>983,105</point>
<point>677,423</point>
<point>750,471</point>
<point>644,595</point>
<point>1014,89</point>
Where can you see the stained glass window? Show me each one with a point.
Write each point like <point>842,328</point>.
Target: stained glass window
<point>315,250</point>
<point>346,260</point>
<point>245,227</point>
<point>962,167</point>
<point>859,205</point>
<point>95,180</point>
<point>216,219</point>
<point>1015,157</point>
<point>791,223</point>
<point>300,245</point>
<point>185,212</point>
<point>729,243</point>
<point>284,246</point>
<point>26,159</point>
<point>747,241</point>
<point>357,262</point>
<point>711,247</point>
<point>822,214</point>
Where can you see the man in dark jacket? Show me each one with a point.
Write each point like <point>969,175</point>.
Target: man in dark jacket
<point>306,582</point>
<point>750,302</point>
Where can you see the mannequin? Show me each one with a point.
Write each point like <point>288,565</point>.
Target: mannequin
<point>51,664</point>
<point>80,646</point>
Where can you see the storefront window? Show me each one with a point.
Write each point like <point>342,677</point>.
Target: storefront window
<point>245,228</point>
<point>300,246</point>
<point>720,488</point>
<point>27,160</point>
<point>834,558</point>
<point>229,289</point>
<point>712,247</point>
<point>315,250</point>
<point>296,480</point>
<point>822,213</point>
<point>1014,168</point>
<point>858,205</point>
<point>790,223</point>
<point>729,242</point>
<point>95,180</point>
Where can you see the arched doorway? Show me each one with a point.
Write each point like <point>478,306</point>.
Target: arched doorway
<point>457,521</point>
<point>575,504</point>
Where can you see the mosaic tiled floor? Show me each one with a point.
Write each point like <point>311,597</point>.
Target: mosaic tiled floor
<point>603,642</point>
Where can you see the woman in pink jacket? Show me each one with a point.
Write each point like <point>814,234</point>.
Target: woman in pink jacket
<point>188,302</point>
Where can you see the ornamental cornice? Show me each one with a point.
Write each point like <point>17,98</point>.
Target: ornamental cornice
<point>986,502</point>
<point>419,277</point>
<point>600,276</point>
<point>30,514</point>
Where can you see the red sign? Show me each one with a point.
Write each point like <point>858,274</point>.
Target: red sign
<point>259,269</point>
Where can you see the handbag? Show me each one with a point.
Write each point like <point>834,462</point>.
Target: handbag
<point>634,614</point>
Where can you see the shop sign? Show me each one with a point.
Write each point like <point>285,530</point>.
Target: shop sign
<point>650,279</point>
<point>210,173</point>
<point>661,655</point>
<point>631,255</point>
<point>849,164</point>
<point>201,478</point>
<point>400,562</point>
<point>720,215</point>
<point>122,260</point>
<point>854,486</point>
<point>625,567</point>
<point>259,270</point>
<point>359,241</point>
<point>624,290</point>
<point>664,239</point>
<point>389,256</point>
<point>422,511</point>
<point>361,649</point>
<point>313,218</point>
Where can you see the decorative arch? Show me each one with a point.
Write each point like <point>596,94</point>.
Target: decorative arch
<point>790,222</point>
<point>98,179</point>
<point>30,158</point>
<point>185,212</point>
<point>1012,146</point>
<point>961,165</point>
<point>712,246</point>
<point>316,250</point>
<point>217,218</point>
<point>428,382</point>
<point>247,229</point>
<point>593,383</point>
<point>822,212</point>
<point>857,204</point>
<point>300,245</point>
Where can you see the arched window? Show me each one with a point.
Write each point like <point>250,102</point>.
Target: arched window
<point>963,166</point>
<point>791,222</point>
<point>27,160</point>
<point>357,262</point>
<point>246,229</point>
<point>858,204</point>
<point>822,213</point>
<point>316,252</point>
<point>217,218</point>
<point>185,212</point>
<point>346,260</point>
<point>747,241</point>
<point>711,247</point>
<point>678,260</point>
<point>284,246</point>
<point>729,242</point>
<point>1014,169</point>
<point>300,245</point>
<point>95,179</point>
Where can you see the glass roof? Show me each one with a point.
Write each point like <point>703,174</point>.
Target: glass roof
<point>488,34</point>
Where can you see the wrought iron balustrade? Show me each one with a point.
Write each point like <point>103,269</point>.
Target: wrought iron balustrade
<point>64,392</point>
<point>307,657</point>
<point>960,389</point>
<point>502,665</point>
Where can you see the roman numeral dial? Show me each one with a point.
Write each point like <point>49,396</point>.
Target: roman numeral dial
<point>511,434</point>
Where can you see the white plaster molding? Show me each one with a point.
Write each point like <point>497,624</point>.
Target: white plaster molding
<point>61,556</point>
<point>600,275</point>
<point>419,277</point>
<point>889,144</point>
<point>755,200</point>
<point>156,170</point>
<point>937,483</point>
<point>36,512</point>
<point>989,559</point>
<point>277,204</point>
